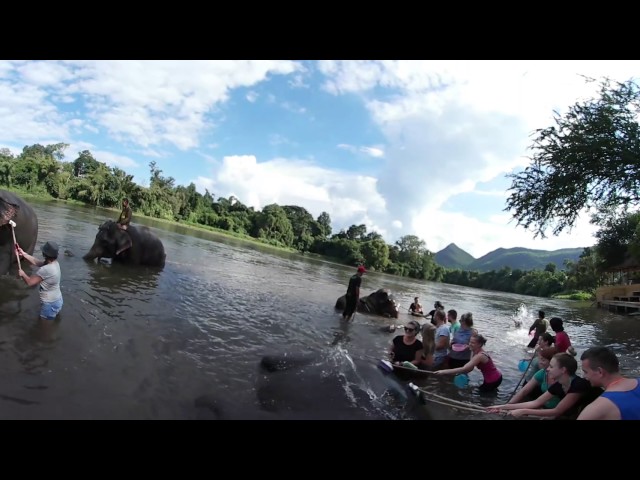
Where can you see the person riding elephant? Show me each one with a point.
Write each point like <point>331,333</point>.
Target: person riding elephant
<point>380,302</point>
<point>136,245</point>
<point>16,217</point>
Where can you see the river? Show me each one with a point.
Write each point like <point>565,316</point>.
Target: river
<point>186,342</point>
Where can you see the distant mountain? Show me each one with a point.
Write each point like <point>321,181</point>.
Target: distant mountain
<point>453,256</point>
<point>524,259</point>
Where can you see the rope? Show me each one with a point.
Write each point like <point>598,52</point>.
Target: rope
<point>451,400</point>
<point>523,375</point>
<point>468,409</point>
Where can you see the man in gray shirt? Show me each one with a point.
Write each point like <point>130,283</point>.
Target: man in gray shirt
<point>47,277</point>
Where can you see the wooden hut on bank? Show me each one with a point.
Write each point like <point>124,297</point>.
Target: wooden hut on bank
<point>621,293</point>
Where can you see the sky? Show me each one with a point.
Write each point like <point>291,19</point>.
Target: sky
<point>404,147</point>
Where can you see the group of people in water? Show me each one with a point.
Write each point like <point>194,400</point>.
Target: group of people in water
<point>552,387</point>
<point>448,346</point>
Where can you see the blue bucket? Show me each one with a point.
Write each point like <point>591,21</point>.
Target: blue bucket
<point>523,365</point>
<point>461,380</point>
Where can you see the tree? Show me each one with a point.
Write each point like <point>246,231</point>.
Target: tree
<point>324,221</point>
<point>615,236</point>
<point>85,164</point>
<point>589,159</point>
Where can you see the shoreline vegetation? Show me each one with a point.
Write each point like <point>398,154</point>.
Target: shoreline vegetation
<point>42,196</point>
<point>40,172</point>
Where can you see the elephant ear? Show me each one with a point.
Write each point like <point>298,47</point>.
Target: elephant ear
<point>7,211</point>
<point>123,241</point>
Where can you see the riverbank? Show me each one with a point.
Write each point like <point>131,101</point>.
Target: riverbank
<point>193,226</point>
<point>579,295</point>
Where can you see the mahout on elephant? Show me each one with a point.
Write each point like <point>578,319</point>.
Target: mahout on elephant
<point>136,245</point>
<point>16,217</point>
<point>380,302</point>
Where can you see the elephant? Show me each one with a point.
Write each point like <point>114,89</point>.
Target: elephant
<point>146,248</point>
<point>14,208</point>
<point>380,302</point>
<point>304,386</point>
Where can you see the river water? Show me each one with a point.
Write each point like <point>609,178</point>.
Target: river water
<point>186,342</point>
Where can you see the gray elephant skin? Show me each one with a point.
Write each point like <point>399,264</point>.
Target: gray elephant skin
<point>380,302</point>
<point>12,207</point>
<point>146,248</point>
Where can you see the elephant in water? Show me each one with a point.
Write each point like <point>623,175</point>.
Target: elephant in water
<point>311,387</point>
<point>144,248</point>
<point>13,208</point>
<point>380,302</point>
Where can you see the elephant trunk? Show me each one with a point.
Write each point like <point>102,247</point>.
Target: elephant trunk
<point>92,254</point>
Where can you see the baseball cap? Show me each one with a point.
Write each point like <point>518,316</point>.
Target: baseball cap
<point>361,269</point>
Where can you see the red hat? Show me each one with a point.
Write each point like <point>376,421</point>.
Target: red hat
<point>361,269</point>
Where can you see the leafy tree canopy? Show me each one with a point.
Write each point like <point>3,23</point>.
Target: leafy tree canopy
<point>590,158</point>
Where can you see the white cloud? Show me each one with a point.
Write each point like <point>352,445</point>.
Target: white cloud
<point>144,103</point>
<point>478,238</point>
<point>452,125</point>
<point>376,152</point>
<point>252,96</point>
<point>297,81</point>
<point>373,151</point>
<point>44,73</point>
<point>348,198</point>
<point>114,160</point>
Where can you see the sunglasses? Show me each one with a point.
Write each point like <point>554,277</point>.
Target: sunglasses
<point>407,329</point>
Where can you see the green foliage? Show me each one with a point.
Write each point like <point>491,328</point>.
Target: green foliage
<point>616,234</point>
<point>40,170</point>
<point>590,158</point>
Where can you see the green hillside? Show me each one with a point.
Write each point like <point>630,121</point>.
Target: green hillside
<point>453,257</point>
<point>524,259</point>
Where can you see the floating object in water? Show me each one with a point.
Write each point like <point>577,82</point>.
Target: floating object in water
<point>523,365</point>
<point>409,365</point>
<point>385,365</point>
<point>461,380</point>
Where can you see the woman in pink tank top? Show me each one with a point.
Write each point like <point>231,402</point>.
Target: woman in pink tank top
<point>490,373</point>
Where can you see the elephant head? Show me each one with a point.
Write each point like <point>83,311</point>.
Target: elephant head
<point>382,302</point>
<point>109,241</point>
<point>18,224</point>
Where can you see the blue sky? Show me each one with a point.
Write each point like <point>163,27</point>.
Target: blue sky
<point>405,147</point>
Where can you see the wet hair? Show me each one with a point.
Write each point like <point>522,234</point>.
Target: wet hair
<point>602,357</point>
<point>467,319</point>
<point>415,324</point>
<point>548,352</point>
<point>438,305</point>
<point>480,339</point>
<point>429,338</point>
<point>566,361</point>
<point>547,337</point>
<point>556,324</point>
<point>415,299</point>
<point>541,313</point>
<point>439,314</point>
<point>453,313</point>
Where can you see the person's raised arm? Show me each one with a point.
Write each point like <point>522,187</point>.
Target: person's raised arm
<point>466,368</point>
<point>32,260</point>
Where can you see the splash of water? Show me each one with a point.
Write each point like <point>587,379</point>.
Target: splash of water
<point>518,332</point>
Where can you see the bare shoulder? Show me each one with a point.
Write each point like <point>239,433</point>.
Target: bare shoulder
<point>600,409</point>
